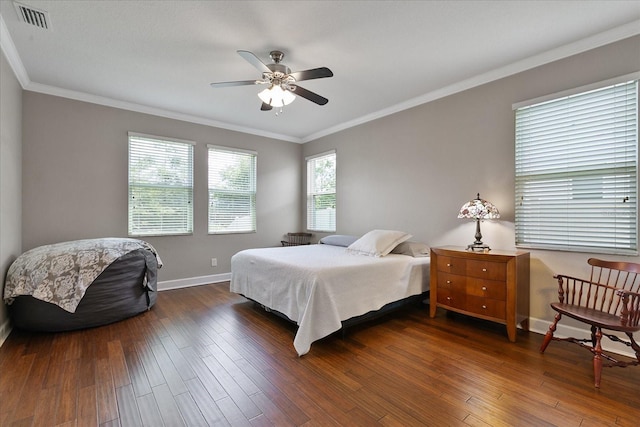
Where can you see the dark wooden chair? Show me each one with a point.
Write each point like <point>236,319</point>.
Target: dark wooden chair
<point>297,239</point>
<point>609,300</point>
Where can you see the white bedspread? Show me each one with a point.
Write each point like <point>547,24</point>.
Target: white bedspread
<point>318,286</point>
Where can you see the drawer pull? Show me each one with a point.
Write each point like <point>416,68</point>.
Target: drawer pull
<point>448,264</point>
<point>484,288</point>
<point>484,306</point>
<point>448,282</point>
<point>484,270</point>
<point>448,298</point>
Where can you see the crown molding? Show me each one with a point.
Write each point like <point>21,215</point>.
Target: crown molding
<point>11,53</point>
<point>110,102</point>
<point>616,34</point>
<point>13,58</point>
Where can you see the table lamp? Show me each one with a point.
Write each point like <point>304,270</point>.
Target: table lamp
<point>478,209</point>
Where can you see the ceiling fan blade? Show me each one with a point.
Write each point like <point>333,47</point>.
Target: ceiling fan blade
<point>254,60</point>
<point>238,83</point>
<point>311,96</point>
<point>265,107</point>
<point>314,73</point>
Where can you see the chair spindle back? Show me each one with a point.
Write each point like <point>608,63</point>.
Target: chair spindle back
<point>601,291</point>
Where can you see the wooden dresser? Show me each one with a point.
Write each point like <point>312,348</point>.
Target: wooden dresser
<point>490,285</point>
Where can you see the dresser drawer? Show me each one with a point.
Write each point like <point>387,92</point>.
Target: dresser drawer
<point>452,265</point>
<point>487,307</point>
<point>486,270</point>
<point>486,288</point>
<point>452,281</point>
<point>451,298</point>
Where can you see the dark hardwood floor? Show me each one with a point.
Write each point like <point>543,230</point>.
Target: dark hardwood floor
<point>204,356</point>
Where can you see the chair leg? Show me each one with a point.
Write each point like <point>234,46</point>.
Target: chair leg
<point>549,335</point>
<point>634,345</point>
<point>597,358</point>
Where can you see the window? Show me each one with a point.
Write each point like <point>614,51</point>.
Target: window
<point>232,190</point>
<point>160,186</point>
<point>576,170</point>
<point>321,192</point>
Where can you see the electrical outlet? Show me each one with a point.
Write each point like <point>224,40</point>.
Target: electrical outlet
<point>214,262</point>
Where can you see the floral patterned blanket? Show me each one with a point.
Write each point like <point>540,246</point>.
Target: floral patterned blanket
<point>62,272</point>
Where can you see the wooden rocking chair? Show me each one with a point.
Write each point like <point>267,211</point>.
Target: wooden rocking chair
<point>610,300</point>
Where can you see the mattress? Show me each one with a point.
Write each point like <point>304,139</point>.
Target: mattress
<point>319,286</point>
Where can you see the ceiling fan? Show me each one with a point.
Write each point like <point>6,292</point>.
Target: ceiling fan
<point>283,84</point>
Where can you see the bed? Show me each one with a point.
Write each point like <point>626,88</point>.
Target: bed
<point>81,284</point>
<point>321,286</point>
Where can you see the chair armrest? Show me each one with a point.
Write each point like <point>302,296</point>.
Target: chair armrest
<point>629,294</point>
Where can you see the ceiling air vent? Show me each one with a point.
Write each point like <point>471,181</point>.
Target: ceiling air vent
<point>31,16</point>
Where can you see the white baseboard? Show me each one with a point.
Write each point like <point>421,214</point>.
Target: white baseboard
<point>193,281</point>
<point>542,326</point>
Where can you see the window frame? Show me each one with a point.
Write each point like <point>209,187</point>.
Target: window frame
<point>189,188</point>
<point>574,217</point>
<point>312,220</point>
<point>251,192</point>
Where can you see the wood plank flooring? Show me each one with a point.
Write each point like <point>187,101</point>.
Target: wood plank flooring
<point>203,356</point>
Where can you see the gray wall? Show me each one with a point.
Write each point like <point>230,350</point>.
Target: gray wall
<point>422,164</point>
<point>419,167</point>
<point>75,182</point>
<point>10,177</point>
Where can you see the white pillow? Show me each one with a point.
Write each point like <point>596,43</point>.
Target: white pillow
<point>378,243</point>
<point>414,249</point>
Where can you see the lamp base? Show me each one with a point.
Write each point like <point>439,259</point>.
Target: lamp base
<point>480,247</point>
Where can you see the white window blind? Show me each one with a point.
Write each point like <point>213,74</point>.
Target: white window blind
<point>576,171</point>
<point>160,186</point>
<point>321,192</point>
<point>232,190</point>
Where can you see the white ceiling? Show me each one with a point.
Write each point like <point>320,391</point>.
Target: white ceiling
<point>160,56</point>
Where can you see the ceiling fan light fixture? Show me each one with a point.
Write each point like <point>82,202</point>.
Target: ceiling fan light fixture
<point>276,96</point>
